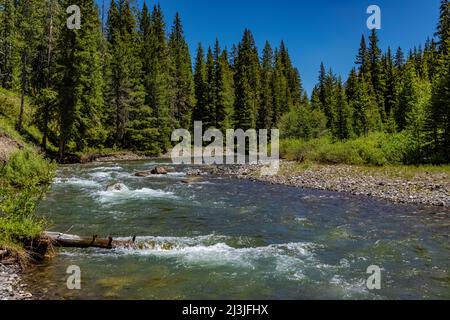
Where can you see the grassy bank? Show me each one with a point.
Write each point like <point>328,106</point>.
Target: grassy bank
<point>25,175</point>
<point>377,149</point>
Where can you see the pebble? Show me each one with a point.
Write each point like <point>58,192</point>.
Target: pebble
<point>428,190</point>
<point>11,286</point>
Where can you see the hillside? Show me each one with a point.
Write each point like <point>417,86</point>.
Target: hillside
<point>25,175</point>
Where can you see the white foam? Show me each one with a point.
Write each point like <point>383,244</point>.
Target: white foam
<point>116,168</point>
<point>287,258</point>
<point>123,195</point>
<point>100,175</point>
<point>77,182</point>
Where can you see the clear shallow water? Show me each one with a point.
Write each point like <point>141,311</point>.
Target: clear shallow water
<point>222,238</point>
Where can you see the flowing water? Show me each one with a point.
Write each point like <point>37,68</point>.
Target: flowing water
<point>221,238</point>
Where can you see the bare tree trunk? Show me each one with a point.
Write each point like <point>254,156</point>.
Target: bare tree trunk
<point>23,91</point>
<point>74,241</point>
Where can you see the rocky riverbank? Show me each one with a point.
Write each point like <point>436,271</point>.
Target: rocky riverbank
<point>11,284</point>
<point>401,185</point>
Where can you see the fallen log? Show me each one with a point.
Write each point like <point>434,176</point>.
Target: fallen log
<point>73,241</point>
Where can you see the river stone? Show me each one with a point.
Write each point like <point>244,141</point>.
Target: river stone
<point>159,170</point>
<point>191,180</point>
<point>117,187</point>
<point>143,174</point>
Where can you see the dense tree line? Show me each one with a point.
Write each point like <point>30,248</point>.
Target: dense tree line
<point>386,91</point>
<point>124,80</point>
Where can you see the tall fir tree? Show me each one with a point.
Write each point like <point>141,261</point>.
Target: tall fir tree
<point>443,28</point>
<point>157,78</point>
<point>224,91</point>
<point>267,69</point>
<point>9,60</point>
<point>80,84</point>
<point>363,58</point>
<point>126,93</point>
<point>342,126</point>
<point>200,111</point>
<point>210,90</point>
<point>377,72</point>
<point>247,83</point>
<point>183,98</point>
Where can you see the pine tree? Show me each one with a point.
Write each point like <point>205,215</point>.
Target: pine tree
<point>377,73</point>
<point>291,74</point>
<point>342,127</point>
<point>329,103</point>
<point>80,85</point>
<point>399,59</point>
<point>157,78</point>
<point>44,70</point>
<point>439,118</point>
<point>391,91</point>
<point>407,95</point>
<point>8,50</point>
<point>267,69</point>
<point>247,83</point>
<point>28,34</point>
<point>183,98</point>
<point>366,117</point>
<point>210,91</point>
<point>321,86</point>
<point>282,102</point>
<point>363,58</point>
<point>224,91</point>
<point>132,118</point>
<point>443,29</point>
<point>200,112</point>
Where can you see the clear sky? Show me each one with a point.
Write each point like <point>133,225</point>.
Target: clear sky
<point>313,30</point>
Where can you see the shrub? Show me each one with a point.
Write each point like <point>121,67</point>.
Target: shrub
<point>377,149</point>
<point>27,168</point>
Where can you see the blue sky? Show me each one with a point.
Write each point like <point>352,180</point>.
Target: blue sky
<point>313,30</point>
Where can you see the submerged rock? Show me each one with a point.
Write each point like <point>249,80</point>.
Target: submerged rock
<point>159,170</point>
<point>191,180</point>
<point>117,187</point>
<point>143,174</point>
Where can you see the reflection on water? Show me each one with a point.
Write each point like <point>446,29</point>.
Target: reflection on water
<point>219,238</point>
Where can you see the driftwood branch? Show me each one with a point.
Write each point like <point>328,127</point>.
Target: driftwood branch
<point>73,241</point>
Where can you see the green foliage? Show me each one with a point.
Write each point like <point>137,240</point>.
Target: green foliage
<point>24,180</point>
<point>302,123</point>
<point>376,149</point>
<point>26,168</point>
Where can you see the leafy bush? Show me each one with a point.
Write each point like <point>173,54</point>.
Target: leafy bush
<point>24,180</point>
<point>27,168</point>
<point>377,149</point>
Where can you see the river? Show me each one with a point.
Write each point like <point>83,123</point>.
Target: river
<point>221,238</point>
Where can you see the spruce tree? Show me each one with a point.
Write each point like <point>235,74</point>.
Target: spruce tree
<point>200,112</point>
<point>80,81</point>
<point>363,58</point>
<point>377,72</point>
<point>9,61</point>
<point>266,107</point>
<point>282,102</point>
<point>183,98</point>
<point>157,78</point>
<point>29,32</point>
<point>210,91</point>
<point>342,127</point>
<point>443,29</point>
<point>247,83</point>
<point>224,92</point>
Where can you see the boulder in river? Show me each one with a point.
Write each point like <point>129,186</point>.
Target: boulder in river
<point>159,170</point>
<point>191,180</point>
<point>143,174</point>
<point>117,187</point>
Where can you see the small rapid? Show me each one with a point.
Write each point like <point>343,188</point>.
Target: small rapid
<point>213,237</point>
